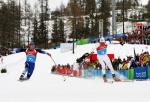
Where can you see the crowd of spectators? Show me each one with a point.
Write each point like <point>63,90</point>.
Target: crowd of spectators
<point>132,62</point>
<point>5,51</point>
<point>85,62</point>
<point>139,36</point>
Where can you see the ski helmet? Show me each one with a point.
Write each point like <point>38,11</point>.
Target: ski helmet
<point>102,39</point>
<point>31,45</point>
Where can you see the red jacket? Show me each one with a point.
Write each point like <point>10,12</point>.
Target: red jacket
<point>31,52</point>
<point>102,45</point>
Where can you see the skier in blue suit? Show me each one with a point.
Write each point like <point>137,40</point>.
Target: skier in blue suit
<point>31,54</point>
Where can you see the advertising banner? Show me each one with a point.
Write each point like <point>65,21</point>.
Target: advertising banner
<point>65,47</point>
<point>141,73</point>
<point>131,74</point>
<point>149,72</point>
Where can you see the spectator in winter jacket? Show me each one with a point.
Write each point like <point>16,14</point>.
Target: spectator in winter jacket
<point>115,64</point>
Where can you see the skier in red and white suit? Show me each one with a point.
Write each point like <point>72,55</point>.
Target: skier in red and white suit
<point>104,60</point>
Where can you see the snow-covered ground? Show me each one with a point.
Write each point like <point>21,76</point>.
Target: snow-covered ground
<point>46,87</point>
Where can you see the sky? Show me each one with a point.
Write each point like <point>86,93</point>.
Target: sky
<point>144,2</point>
<point>53,4</point>
<point>56,3</point>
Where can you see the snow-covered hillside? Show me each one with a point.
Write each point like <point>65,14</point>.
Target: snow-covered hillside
<point>46,87</point>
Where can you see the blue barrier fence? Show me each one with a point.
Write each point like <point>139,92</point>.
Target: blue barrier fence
<point>139,73</point>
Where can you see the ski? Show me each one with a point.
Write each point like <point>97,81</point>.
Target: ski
<point>112,81</point>
<point>109,82</point>
<point>124,81</point>
<point>22,80</point>
<point>120,81</point>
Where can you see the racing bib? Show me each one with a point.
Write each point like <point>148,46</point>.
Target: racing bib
<point>31,58</point>
<point>101,52</point>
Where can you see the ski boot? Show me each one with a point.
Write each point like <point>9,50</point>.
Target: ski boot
<point>28,77</point>
<point>21,77</point>
<point>115,78</point>
<point>104,78</point>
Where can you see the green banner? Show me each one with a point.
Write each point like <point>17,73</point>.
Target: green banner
<point>131,74</point>
<point>82,41</point>
<point>149,72</point>
<point>78,42</point>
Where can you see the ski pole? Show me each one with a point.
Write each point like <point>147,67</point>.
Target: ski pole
<point>53,60</point>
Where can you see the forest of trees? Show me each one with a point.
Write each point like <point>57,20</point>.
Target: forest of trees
<point>10,21</point>
<point>19,24</point>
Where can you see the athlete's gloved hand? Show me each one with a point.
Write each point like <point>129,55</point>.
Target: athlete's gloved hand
<point>15,50</point>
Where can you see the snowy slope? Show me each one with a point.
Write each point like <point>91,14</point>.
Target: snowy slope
<point>46,87</point>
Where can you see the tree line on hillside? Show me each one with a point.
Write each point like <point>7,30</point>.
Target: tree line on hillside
<point>20,24</point>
